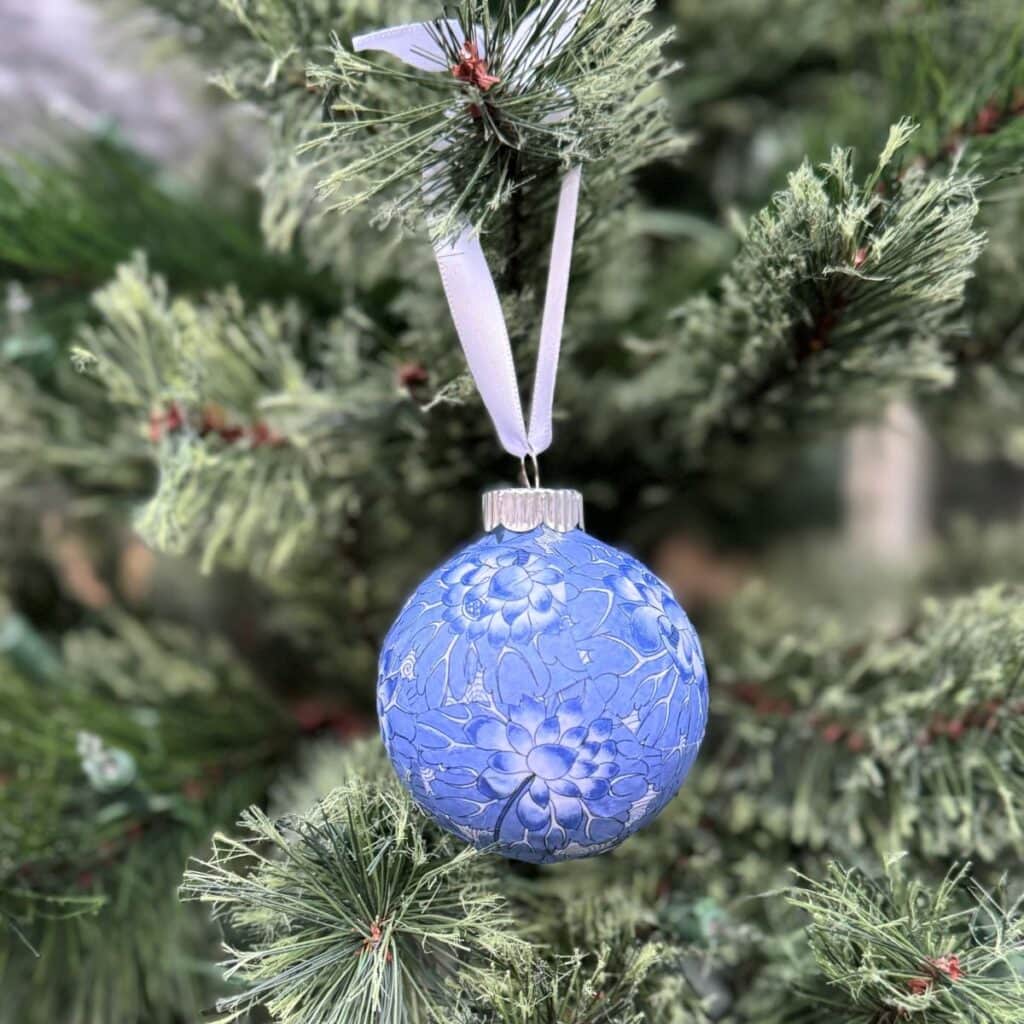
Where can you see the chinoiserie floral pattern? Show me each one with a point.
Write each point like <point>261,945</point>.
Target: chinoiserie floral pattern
<point>542,694</point>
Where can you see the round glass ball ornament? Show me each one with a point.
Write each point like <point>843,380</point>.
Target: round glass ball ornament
<point>542,694</point>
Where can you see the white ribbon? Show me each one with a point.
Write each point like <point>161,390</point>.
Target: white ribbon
<point>468,282</point>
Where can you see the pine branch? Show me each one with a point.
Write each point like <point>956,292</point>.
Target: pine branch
<point>279,35</point>
<point>896,949</point>
<point>896,737</point>
<point>49,444</point>
<point>65,225</point>
<point>261,50</point>
<point>623,983</point>
<point>116,758</point>
<point>593,959</point>
<point>964,72</point>
<point>246,444</point>
<point>358,910</point>
<point>839,297</point>
<point>983,417</point>
<point>118,946</point>
<point>520,135</point>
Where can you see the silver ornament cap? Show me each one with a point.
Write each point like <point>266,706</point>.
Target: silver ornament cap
<point>522,509</point>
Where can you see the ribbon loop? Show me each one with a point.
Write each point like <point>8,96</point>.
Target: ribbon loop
<point>480,324</point>
<point>542,404</point>
<point>468,283</point>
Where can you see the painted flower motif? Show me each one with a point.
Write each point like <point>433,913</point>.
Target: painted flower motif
<point>557,776</point>
<point>506,595</point>
<point>656,618</point>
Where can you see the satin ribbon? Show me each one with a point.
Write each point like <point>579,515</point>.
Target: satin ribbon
<point>468,283</point>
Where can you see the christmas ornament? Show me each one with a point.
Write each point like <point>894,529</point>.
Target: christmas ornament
<point>542,694</point>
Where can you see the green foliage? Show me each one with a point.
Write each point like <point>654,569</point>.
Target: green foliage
<point>962,66</point>
<point>620,968</point>
<point>608,67</point>
<point>900,735</point>
<point>289,28</point>
<point>605,986</point>
<point>326,764</point>
<point>358,910</point>
<point>896,949</point>
<point>824,336</point>
<point>983,417</point>
<point>255,460</point>
<point>842,294</point>
<point>261,50</point>
<point>283,388</point>
<point>67,222</point>
<point>283,33</point>
<point>116,759</point>
<point>49,444</point>
<point>607,973</point>
<point>119,946</point>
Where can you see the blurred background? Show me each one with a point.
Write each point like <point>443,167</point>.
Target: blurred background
<point>73,68</point>
<point>235,428</point>
<point>74,71</point>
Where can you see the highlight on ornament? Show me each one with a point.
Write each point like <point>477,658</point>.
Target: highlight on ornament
<point>542,694</point>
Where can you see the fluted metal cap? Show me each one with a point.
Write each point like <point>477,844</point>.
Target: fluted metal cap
<point>523,509</point>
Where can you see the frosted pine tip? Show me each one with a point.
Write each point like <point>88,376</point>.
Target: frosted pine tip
<point>947,965</point>
<point>167,422</point>
<point>472,68</point>
<point>412,375</point>
<point>373,940</point>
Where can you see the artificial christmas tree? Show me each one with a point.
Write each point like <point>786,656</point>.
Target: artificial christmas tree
<point>256,375</point>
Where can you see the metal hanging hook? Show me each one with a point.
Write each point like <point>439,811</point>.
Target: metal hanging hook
<point>524,473</point>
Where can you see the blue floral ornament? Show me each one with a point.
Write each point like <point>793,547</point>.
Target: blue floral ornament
<point>542,695</point>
